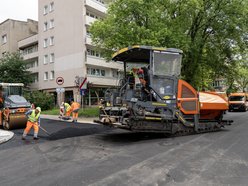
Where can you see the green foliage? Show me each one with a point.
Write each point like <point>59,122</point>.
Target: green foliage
<point>42,99</point>
<point>89,112</point>
<point>211,33</point>
<point>53,111</point>
<point>241,77</point>
<point>85,112</point>
<point>13,69</point>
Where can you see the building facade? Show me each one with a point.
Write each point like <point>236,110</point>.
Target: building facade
<point>66,52</point>
<point>59,52</point>
<point>11,31</point>
<point>28,47</point>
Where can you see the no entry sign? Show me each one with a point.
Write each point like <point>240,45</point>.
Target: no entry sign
<point>60,80</point>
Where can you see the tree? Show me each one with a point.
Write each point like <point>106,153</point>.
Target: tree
<point>241,72</point>
<point>13,69</point>
<point>42,99</point>
<point>205,30</point>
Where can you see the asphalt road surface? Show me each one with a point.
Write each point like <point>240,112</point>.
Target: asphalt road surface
<point>88,154</point>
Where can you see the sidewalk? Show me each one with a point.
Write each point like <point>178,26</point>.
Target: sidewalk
<point>5,135</point>
<point>80,119</point>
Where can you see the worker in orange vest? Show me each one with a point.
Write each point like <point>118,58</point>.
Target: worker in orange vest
<point>75,106</point>
<point>1,98</point>
<point>33,121</point>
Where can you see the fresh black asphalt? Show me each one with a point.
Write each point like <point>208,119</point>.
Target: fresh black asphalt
<point>88,154</point>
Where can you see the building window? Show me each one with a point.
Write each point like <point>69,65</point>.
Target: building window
<point>92,15</point>
<point>52,57</point>
<point>51,7</point>
<point>32,64</point>
<point>4,39</point>
<point>46,76</point>
<point>97,54</point>
<point>96,72</point>
<point>35,77</point>
<point>36,63</point>
<point>45,61</point>
<point>45,26</point>
<point>102,73</point>
<point>51,40</point>
<point>115,73</point>
<point>30,50</point>
<point>88,33</point>
<point>100,1</point>
<point>94,53</point>
<point>45,10</point>
<point>51,23</point>
<point>52,75</point>
<point>45,44</point>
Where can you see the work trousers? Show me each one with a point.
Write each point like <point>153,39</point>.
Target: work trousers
<point>68,113</point>
<point>29,126</point>
<point>75,115</point>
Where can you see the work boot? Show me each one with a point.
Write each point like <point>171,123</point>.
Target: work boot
<point>36,138</point>
<point>23,138</point>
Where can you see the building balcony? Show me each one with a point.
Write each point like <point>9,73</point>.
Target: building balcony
<point>89,20</point>
<point>102,81</point>
<point>88,40</point>
<point>30,55</point>
<point>29,41</point>
<point>34,86</point>
<point>99,62</point>
<point>96,6</point>
<point>33,69</point>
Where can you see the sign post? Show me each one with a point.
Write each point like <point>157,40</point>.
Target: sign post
<point>82,88</point>
<point>60,90</point>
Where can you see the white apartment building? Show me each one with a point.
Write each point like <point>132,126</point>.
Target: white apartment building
<point>29,50</point>
<point>66,52</point>
<point>11,31</point>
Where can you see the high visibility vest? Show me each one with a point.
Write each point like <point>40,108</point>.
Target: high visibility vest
<point>34,118</point>
<point>75,105</point>
<point>67,107</point>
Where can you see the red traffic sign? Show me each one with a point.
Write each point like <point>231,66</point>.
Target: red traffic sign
<point>60,80</point>
<point>83,85</point>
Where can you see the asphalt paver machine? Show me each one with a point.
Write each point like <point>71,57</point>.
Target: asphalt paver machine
<point>151,97</point>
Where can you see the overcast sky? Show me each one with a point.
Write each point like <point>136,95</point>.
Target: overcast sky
<point>18,9</point>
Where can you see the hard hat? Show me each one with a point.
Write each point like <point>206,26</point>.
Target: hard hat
<point>38,108</point>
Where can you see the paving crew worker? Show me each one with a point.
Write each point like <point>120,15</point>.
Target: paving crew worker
<point>33,121</point>
<point>75,106</point>
<point>1,98</point>
<point>67,110</point>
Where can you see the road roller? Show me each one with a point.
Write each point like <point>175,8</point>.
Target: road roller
<point>13,106</point>
<point>151,97</point>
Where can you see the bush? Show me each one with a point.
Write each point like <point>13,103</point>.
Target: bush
<point>85,112</point>
<point>41,99</point>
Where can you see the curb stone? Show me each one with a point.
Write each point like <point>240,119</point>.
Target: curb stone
<point>5,136</point>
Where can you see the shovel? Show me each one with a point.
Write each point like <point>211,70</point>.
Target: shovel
<point>45,131</point>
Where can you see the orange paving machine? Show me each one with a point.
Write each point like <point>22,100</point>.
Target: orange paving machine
<point>151,98</point>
